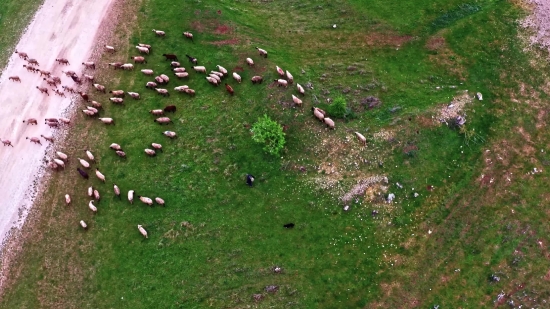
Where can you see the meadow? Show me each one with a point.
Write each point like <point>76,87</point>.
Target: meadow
<point>468,206</point>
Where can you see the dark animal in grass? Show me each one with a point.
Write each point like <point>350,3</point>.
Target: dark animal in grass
<point>193,60</point>
<point>76,79</point>
<point>249,179</point>
<point>170,109</point>
<point>171,57</point>
<point>84,96</point>
<point>229,89</point>
<point>82,173</point>
<point>289,225</point>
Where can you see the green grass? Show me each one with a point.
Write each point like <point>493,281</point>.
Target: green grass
<point>331,259</point>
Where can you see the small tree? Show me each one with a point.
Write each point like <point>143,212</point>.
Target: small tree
<point>339,108</point>
<point>270,133</point>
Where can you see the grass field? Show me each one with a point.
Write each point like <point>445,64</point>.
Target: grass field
<point>466,207</point>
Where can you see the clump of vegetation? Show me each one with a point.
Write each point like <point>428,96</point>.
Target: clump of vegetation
<point>270,133</point>
<point>339,108</point>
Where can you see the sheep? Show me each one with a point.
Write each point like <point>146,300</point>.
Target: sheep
<point>318,114</point>
<point>117,93</point>
<point>67,199</point>
<point>170,57</point>
<point>165,78</point>
<point>188,35</point>
<point>121,154</point>
<point>22,55</point>
<point>48,138</point>
<point>159,32</point>
<point>14,78</point>
<point>59,162</point>
<point>193,60</point>
<point>109,48</point>
<point>216,77</point>
<point>52,124</point>
<point>89,78</point>
<point>61,155</point>
<point>59,93</point>
<point>211,80</point>
<point>157,146</point>
<point>361,138</point>
<point>159,201</point>
<point>68,73</point>
<point>151,85</point>
<point>138,59</point>
<point>6,142</point>
<point>237,77</point>
<point>170,134</point>
<point>127,66</point>
<point>249,61</point>
<point>280,71</point>
<point>97,197</point>
<point>229,89</point>
<point>170,109</point>
<point>76,79</point>
<point>117,191</point>
<point>182,75</point>
<point>31,121</point>
<point>84,96</point>
<point>199,69</point>
<point>144,45</point>
<point>96,104</point>
<point>157,112</point>
<point>82,173</point>
<point>329,122</point>
<point>35,140</point>
<point>145,200</point>
<point>65,120</point>
<point>257,79</point>
<point>48,74</point>
<point>90,191</point>
<point>134,95</point>
<point>175,64</point>
<point>163,120</point>
<point>99,87</point>
<point>84,163</point>
<point>51,120</point>
<point>92,109</point>
<point>63,61</point>
<point>29,68</point>
<point>296,100</point>
<point>222,69</point>
<point>89,65</point>
<point>90,155</point>
<point>115,65</point>
<point>43,90</point>
<point>107,120</point>
<point>282,82</point>
<point>142,231</point>
<point>83,224</point>
<point>300,89</point>
<point>92,207</point>
<point>162,92</point>
<point>99,175</point>
<point>115,146</point>
<point>262,52</point>
<point>289,77</point>
<point>88,112</point>
<point>68,89</point>
<point>131,196</point>
<point>50,82</point>
<point>147,71</point>
<point>159,80</point>
<point>178,70</point>
<point>117,100</point>
<point>52,165</point>
<point>150,152</point>
<point>249,179</point>
<point>33,62</point>
<point>190,91</point>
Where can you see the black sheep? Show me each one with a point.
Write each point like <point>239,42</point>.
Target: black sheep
<point>249,179</point>
<point>82,173</point>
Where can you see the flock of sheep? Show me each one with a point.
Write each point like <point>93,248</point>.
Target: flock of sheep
<point>214,78</point>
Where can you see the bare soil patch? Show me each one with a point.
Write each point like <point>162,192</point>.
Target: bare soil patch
<point>225,42</point>
<point>386,39</point>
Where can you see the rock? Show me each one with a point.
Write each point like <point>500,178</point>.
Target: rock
<point>257,297</point>
<point>352,68</point>
<point>371,101</point>
<point>271,288</point>
<point>326,91</point>
<point>346,90</point>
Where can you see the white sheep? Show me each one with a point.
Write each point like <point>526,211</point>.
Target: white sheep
<point>49,138</point>
<point>107,120</point>
<point>157,146</point>
<point>280,71</point>
<point>262,52</point>
<point>162,91</point>
<point>150,85</point>
<point>62,156</point>
<point>159,32</point>
<point>92,206</point>
<point>99,175</point>
<point>296,100</point>
<point>361,138</point>
<point>165,78</point>
<point>99,87</point>
<point>83,163</point>
<point>188,35</point>
<point>182,74</point>
<point>181,88</point>
<point>190,91</point>
<point>249,61</point>
<point>318,114</point>
<point>289,77</point>
<point>59,162</point>
<point>179,70</point>
<point>65,120</point>
<point>300,89</point>
<point>282,82</point>
<point>219,74</point>
<point>117,190</point>
<point>329,122</point>
<point>159,201</point>
<point>115,146</point>
<point>67,199</point>
<point>134,95</point>
<point>175,64</point>
<point>146,200</point>
<point>109,48</point>
<point>150,152</point>
<point>117,93</point>
<point>144,45</point>
<point>157,112</point>
<point>90,155</point>
<point>88,112</point>
<point>120,153</point>
<point>83,224</point>
<point>90,191</point>
<point>117,100</point>
<point>97,197</point>
<point>237,77</point>
<point>222,69</point>
<point>216,77</point>
<point>211,80</point>
<point>92,109</point>
<point>170,134</point>
<point>127,66</point>
<point>131,196</point>
<point>163,120</point>
<point>147,71</point>
<point>199,69</point>
<point>142,231</point>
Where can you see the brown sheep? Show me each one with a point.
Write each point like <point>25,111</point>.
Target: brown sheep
<point>14,78</point>
<point>31,121</point>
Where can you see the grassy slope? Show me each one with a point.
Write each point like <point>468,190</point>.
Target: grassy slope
<point>331,259</point>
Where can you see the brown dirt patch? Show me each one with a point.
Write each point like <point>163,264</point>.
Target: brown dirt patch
<point>222,29</point>
<point>225,42</point>
<point>386,39</point>
<point>435,43</point>
<point>197,26</point>
<point>238,69</point>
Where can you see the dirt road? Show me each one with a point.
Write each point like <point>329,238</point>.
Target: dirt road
<point>64,29</point>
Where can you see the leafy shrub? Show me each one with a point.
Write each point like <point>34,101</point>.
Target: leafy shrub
<point>339,109</point>
<point>270,133</point>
